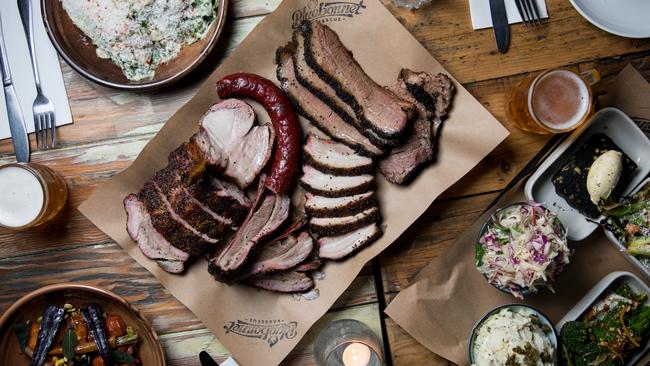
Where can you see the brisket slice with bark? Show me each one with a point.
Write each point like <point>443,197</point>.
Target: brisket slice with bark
<point>291,281</point>
<point>308,78</point>
<point>378,108</point>
<point>151,243</point>
<point>332,226</point>
<point>282,254</point>
<point>317,112</point>
<point>222,198</point>
<point>321,206</point>
<point>168,223</point>
<point>341,246</point>
<point>329,185</point>
<point>335,158</point>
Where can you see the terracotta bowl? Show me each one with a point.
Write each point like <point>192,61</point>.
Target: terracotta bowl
<point>31,306</point>
<point>79,52</point>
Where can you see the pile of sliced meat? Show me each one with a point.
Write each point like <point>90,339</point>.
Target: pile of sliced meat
<point>330,89</point>
<point>340,201</point>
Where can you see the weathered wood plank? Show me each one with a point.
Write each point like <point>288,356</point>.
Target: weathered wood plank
<point>406,351</point>
<point>108,266</point>
<point>183,348</point>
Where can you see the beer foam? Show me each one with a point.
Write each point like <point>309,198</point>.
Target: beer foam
<point>21,196</point>
<point>559,99</point>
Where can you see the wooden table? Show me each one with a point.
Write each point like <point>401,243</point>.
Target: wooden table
<point>111,127</point>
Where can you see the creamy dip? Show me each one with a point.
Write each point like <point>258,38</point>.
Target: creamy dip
<point>139,35</point>
<point>513,338</point>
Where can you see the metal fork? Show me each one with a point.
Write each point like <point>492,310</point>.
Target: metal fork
<point>529,13</point>
<point>43,109</point>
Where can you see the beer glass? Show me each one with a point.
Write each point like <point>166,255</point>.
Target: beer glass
<point>555,101</point>
<point>30,195</point>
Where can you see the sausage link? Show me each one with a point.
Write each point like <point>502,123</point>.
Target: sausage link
<point>283,118</point>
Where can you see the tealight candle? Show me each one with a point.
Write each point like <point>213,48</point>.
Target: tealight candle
<point>347,342</point>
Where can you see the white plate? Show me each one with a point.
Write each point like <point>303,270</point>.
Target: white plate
<point>608,283</point>
<point>618,127</point>
<point>620,246</point>
<point>627,18</point>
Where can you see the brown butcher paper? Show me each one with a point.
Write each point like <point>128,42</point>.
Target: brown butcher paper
<point>259,327</point>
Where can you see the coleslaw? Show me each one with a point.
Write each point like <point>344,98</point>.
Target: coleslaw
<point>522,249</point>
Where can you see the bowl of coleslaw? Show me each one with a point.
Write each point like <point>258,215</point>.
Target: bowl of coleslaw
<point>522,248</point>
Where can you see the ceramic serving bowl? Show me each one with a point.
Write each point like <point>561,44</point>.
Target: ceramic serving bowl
<point>32,305</point>
<point>79,52</point>
<point>490,221</point>
<point>514,308</point>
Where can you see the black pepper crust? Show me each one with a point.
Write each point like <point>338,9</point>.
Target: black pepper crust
<point>306,31</point>
<point>351,209</point>
<point>365,187</point>
<point>378,234</point>
<point>279,53</point>
<point>357,170</point>
<point>334,230</point>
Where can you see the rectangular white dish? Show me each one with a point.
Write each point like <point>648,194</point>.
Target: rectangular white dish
<point>618,127</point>
<point>620,246</point>
<point>607,284</point>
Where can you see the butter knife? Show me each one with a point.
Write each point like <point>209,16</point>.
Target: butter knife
<point>14,114</point>
<point>500,24</point>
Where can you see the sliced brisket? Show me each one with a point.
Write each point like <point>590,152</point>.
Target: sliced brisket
<point>283,282</point>
<point>333,157</point>
<point>281,255</point>
<point>321,206</point>
<point>329,185</point>
<point>338,247</point>
<point>332,226</point>
<point>317,112</point>
<point>151,243</point>
<point>378,108</point>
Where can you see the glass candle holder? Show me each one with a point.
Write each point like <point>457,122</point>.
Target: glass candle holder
<point>347,342</point>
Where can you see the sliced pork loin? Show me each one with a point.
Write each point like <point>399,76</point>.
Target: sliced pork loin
<point>319,113</point>
<point>173,227</point>
<point>151,243</point>
<point>272,211</point>
<point>377,107</point>
<point>227,130</point>
<point>282,254</point>
<point>321,206</point>
<point>341,246</point>
<point>332,157</point>
<point>222,198</point>
<point>291,281</point>
<point>308,78</point>
<point>329,185</point>
<point>331,226</point>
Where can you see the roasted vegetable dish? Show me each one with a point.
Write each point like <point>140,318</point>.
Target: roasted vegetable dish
<point>70,336</point>
<point>629,220</point>
<point>609,333</point>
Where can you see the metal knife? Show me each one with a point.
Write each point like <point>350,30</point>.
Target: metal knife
<point>14,114</point>
<point>500,24</point>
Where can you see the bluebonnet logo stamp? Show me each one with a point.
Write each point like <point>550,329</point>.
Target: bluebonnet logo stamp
<point>327,11</point>
<point>271,331</point>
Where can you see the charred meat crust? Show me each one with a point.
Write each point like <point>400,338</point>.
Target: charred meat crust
<point>333,104</point>
<point>351,209</point>
<point>361,188</point>
<point>334,230</point>
<point>356,147</point>
<point>226,206</point>
<point>378,234</point>
<point>306,31</point>
<point>178,235</point>
<point>364,169</point>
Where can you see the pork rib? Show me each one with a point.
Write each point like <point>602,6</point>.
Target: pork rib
<point>332,157</point>
<point>151,243</point>
<point>329,185</point>
<point>338,247</point>
<point>378,108</point>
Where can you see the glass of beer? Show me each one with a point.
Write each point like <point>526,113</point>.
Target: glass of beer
<point>30,195</point>
<point>557,100</point>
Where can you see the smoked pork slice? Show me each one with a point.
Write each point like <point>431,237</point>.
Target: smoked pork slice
<point>288,282</point>
<point>171,226</point>
<point>338,247</point>
<point>308,78</point>
<point>222,198</point>
<point>321,206</point>
<point>329,185</point>
<point>332,226</point>
<point>332,157</point>
<point>378,108</point>
<point>151,243</point>
<point>247,160</point>
<point>283,254</point>
<point>311,264</point>
<point>317,112</point>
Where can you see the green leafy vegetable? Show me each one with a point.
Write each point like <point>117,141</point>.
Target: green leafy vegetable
<point>21,330</point>
<point>69,344</point>
<point>122,357</point>
<point>480,251</point>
